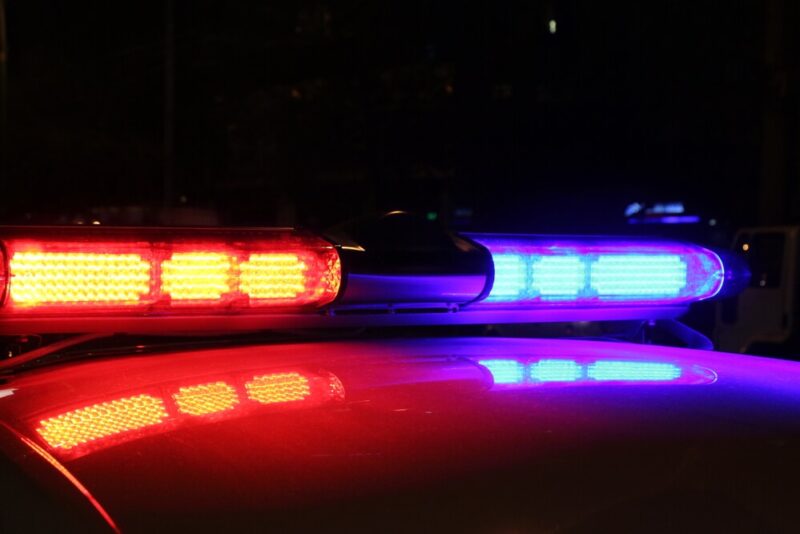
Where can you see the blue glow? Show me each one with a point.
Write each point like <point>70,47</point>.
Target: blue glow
<point>505,371</point>
<point>556,371</point>
<point>633,209</point>
<point>558,275</point>
<point>510,275</point>
<point>669,207</point>
<point>667,219</point>
<point>634,371</point>
<point>680,219</point>
<point>545,272</point>
<point>638,274</point>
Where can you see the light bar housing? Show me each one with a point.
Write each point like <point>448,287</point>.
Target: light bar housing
<point>515,372</point>
<point>551,272</point>
<point>77,272</point>
<point>214,281</point>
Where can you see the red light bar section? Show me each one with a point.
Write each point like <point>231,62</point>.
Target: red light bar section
<point>97,274</point>
<point>237,271</point>
<point>277,388</point>
<point>198,276</point>
<point>87,424</point>
<point>81,430</point>
<point>205,399</point>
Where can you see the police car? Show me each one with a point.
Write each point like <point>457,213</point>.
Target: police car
<point>380,378</point>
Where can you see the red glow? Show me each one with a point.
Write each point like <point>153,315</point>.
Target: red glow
<point>124,418</point>
<point>206,398</point>
<point>277,388</point>
<point>84,425</point>
<point>198,276</point>
<point>124,275</point>
<point>79,274</point>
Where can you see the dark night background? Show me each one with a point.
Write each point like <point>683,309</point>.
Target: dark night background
<point>309,113</point>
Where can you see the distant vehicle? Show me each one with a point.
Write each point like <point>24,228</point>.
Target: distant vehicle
<point>762,318</point>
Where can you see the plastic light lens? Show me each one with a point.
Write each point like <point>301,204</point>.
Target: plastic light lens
<point>180,270</point>
<point>80,431</point>
<point>206,398</point>
<point>505,371</point>
<point>555,371</point>
<point>197,275</point>
<point>636,371</point>
<point>510,276</point>
<point>278,388</point>
<point>558,276</point>
<point>639,274</point>
<point>545,272</point>
<point>273,276</point>
<point>511,372</point>
<point>82,426</point>
<point>64,277</point>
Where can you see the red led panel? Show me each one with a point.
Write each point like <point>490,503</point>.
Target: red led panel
<point>278,387</point>
<point>72,271</point>
<point>79,431</point>
<point>54,277</point>
<point>198,276</point>
<point>206,398</point>
<point>82,426</point>
<point>79,274</point>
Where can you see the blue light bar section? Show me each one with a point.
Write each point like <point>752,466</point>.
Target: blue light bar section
<point>638,274</point>
<point>511,372</point>
<point>632,371</point>
<point>555,371</point>
<point>510,275</point>
<point>667,219</point>
<point>505,371</point>
<point>535,271</point>
<point>558,276</point>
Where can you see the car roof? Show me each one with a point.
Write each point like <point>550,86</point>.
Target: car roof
<point>422,423</point>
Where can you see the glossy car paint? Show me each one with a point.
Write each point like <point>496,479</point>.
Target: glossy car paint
<point>423,439</point>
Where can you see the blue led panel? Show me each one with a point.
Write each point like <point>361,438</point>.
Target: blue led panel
<point>512,372</point>
<point>654,275</point>
<point>536,271</point>
<point>555,371</point>
<point>634,371</point>
<point>566,372</point>
<point>558,276</point>
<point>505,371</point>
<point>510,275</point>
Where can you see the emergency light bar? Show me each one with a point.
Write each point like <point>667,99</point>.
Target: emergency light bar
<point>87,428</point>
<point>62,280</point>
<point>554,372</point>
<point>123,271</point>
<point>546,272</point>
